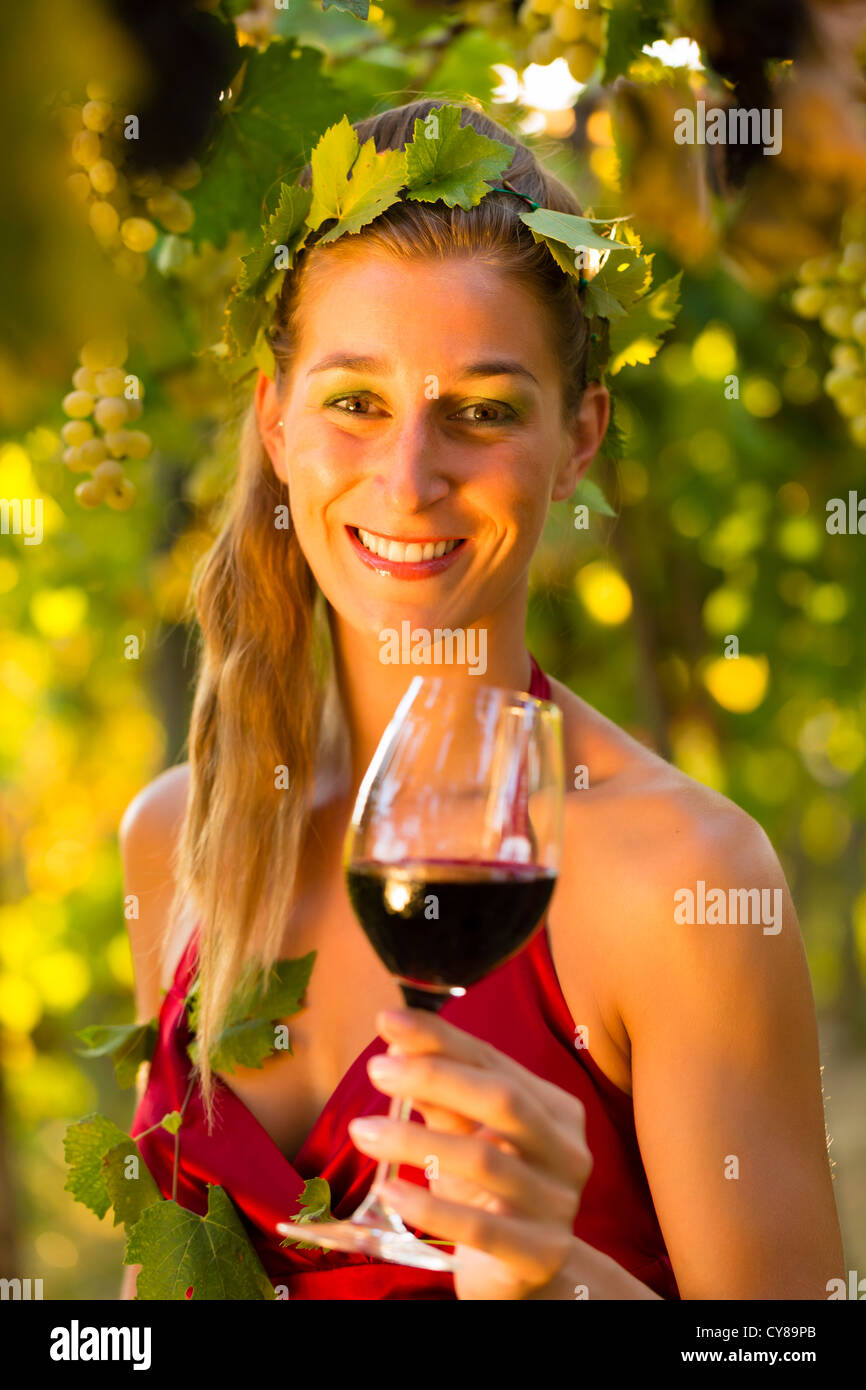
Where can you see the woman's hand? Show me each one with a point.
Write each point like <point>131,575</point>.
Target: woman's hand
<point>505,1153</point>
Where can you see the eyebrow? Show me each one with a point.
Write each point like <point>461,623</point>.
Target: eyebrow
<point>499,366</point>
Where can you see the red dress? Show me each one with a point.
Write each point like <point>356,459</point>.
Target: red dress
<point>521,1011</point>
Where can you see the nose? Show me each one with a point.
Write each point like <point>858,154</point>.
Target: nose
<point>412,473</point>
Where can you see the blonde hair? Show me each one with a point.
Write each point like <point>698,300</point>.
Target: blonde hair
<point>265,696</point>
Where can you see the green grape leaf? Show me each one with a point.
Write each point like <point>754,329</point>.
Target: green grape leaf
<point>85,1144</point>
<point>284,228</point>
<point>597,300</point>
<point>281,993</point>
<point>172,1121</point>
<point>128,1044</point>
<point>359,8</point>
<point>183,1255</point>
<point>262,137</point>
<point>591,496</point>
<point>457,165</point>
<point>564,234</point>
<point>244,317</point>
<point>631,24</point>
<point>128,1182</point>
<point>623,279</point>
<point>256,996</point>
<point>256,1005</point>
<point>599,348</point>
<point>273,287</point>
<point>315,1201</point>
<point>636,339</point>
<point>613,444</point>
<point>245,1044</point>
<point>263,355</point>
<point>352,185</point>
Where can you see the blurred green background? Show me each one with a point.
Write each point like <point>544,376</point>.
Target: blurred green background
<point>733,450</point>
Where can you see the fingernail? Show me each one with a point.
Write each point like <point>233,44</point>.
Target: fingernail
<point>384,1066</point>
<point>396,1018</point>
<point>365,1128</point>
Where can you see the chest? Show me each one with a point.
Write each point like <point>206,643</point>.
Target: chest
<point>349,985</point>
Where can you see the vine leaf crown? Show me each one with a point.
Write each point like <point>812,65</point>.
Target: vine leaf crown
<point>352,184</point>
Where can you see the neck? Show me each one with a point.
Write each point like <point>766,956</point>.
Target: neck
<point>371,685</point>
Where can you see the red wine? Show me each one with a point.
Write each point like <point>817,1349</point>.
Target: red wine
<point>438,924</point>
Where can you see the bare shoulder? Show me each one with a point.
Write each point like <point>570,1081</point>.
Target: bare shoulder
<point>158,807</point>
<point>644,845</point>
<point>651,812</point>
<point>148,835</point>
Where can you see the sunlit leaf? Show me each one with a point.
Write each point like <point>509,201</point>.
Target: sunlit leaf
<point>635,340</point>
<point>85,1145</point>
<point>352,185</point>
<point>457,165</point>
<point>315,1203</point>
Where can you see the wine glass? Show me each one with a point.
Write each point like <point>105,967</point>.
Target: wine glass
<point>451,859</point>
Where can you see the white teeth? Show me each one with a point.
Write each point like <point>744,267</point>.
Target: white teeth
<point>404,552</point>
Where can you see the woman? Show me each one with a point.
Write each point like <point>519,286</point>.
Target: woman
<point>631,1108</point>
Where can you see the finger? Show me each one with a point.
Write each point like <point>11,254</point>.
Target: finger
<point>494,1099</point>
<point>444,1121</point>
<point>468,1157</point>
<point>456,1189</point>
<point>533,1251</point>
<point>417,1031</point>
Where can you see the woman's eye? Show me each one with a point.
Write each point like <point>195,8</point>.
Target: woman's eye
<point>494,414</point>
<point>356,397</point>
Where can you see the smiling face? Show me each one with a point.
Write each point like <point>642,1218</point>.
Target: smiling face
<point>422,437</point>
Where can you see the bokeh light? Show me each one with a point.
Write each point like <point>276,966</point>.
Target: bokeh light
<point>738,684</point>
<point>604,593</point>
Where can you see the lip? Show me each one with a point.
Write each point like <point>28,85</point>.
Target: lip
<point>407,569</point>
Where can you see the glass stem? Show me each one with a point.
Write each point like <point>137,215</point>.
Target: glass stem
<point>373,1210</point>
<point>400,1109</point>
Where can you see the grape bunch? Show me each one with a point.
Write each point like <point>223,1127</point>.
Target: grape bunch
<point>832,289</point>
<point>121,209</point>
<point>559,29</point>
<point>104,401</point>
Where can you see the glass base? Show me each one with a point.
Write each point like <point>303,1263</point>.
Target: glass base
<point>374,1231</point>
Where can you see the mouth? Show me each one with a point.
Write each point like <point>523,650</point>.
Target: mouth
<point>408,559</point>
